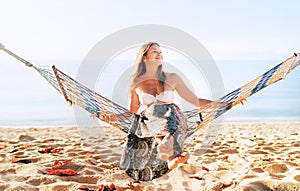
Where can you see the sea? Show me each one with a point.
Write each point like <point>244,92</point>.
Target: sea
<point>27,100</point>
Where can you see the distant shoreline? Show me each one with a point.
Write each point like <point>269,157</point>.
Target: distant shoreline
<point>237,122</point>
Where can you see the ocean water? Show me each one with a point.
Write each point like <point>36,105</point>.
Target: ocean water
<point>27,99</point>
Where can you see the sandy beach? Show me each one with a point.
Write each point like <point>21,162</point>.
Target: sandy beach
<point>229,156</point>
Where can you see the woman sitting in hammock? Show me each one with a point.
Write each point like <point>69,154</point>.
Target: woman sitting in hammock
<point>154,89</point>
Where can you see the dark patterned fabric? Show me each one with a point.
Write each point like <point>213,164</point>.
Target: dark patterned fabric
<point>141,159</point>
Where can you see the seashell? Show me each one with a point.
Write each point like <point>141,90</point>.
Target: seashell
<point>147,174</point>
<point>125,162</point>
<point>128,146</point>
<point>139,163</point>
<point>135,175</point>
<point>142,149</point>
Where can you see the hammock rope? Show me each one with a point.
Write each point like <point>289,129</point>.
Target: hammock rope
<point>77,94</point>
<point>225,103</point>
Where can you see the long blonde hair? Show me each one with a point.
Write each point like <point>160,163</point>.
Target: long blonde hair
<point>141,66</point>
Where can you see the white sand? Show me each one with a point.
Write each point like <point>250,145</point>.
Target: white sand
<point>231,156</point>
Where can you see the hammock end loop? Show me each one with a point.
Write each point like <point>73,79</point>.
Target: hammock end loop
<point>296,61</point>
<point>2,47</point>
<point>28,64</point>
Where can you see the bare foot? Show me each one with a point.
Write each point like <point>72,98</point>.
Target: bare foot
<point>165,147</point>
<point>181,159</point>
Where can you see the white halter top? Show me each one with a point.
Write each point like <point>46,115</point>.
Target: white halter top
<point>148,99</point>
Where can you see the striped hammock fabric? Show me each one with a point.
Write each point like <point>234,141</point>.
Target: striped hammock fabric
<point>214,110</point>
<point>78,94</point>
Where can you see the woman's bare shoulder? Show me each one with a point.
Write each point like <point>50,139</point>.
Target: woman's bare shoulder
<point>136,83</point>
<point>172,75</point>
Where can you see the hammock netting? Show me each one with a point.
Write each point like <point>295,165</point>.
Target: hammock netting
<point>78,94</point>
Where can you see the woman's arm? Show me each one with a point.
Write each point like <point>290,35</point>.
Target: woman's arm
<point>186,93</point>
<point>134,102</point>
<point>190,97</point>
<point>108,116</point>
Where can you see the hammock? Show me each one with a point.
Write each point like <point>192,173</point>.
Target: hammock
<point>76,93</point>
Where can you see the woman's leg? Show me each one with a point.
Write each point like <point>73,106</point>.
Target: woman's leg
<point>174,162</point>
<point>165,147</point>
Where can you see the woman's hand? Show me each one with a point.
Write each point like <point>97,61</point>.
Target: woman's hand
<point>239,101</point>
<point>242,101</point>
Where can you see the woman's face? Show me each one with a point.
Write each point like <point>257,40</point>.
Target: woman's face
<point>153,54</point>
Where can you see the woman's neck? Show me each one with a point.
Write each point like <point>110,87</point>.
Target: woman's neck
<point>151,72</point>
<point>152,67</point>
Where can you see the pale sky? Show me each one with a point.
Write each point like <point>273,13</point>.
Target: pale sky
<point>231,29</point>
<point>42,31</point>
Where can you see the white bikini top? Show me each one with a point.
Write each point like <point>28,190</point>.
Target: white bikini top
<point>148,99</point>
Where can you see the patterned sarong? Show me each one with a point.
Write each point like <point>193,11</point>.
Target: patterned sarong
<point>141,159</point>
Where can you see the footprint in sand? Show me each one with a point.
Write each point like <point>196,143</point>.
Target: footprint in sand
<point>270,186</point>
<point>26,170</point>
<point>277,168</point>
<point>229,151</point>
<point>25,138</point>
